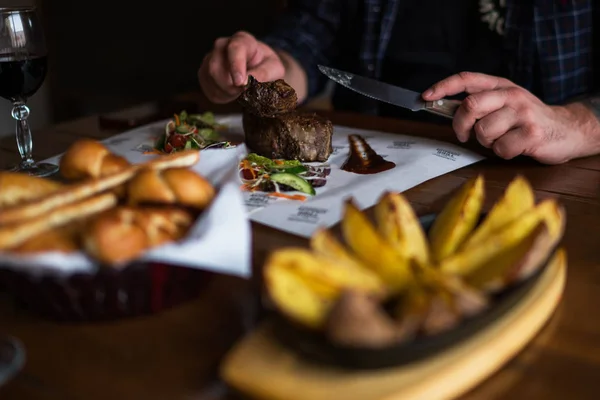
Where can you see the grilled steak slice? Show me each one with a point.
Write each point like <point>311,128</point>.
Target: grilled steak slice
<point>267,99</point>
<point>289,136</point>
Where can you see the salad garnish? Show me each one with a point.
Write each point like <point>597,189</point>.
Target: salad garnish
<point>275,177</point>
<point>191,131</point>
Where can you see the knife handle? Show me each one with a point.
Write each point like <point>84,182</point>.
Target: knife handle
<point>445,108</point>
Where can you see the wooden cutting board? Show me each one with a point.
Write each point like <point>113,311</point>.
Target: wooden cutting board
<point>260,367</point>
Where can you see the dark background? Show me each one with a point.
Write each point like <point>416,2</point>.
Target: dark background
<point>108,54</point>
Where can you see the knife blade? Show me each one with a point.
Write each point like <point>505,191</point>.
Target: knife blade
<point>390,94</point>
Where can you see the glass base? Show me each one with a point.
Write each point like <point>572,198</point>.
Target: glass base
<point>12,358</point>
<point>36,169</point>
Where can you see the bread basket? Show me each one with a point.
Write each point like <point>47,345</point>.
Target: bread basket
<point>160,278</point>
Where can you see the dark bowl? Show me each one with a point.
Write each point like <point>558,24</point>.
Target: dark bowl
<point>315,347</point>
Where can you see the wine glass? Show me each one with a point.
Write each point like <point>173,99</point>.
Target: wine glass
<point>23,68</point>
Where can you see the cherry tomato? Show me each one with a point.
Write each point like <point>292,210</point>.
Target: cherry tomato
<point>248,174</point>
<point>168,148</point>
<point>177,141</point>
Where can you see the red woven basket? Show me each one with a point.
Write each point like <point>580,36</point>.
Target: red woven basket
<point>139,289</point>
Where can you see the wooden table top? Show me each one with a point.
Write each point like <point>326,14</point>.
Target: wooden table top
<point>174,355</point>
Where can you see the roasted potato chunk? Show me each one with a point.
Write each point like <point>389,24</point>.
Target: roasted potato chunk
<point>473,258</point>
<point>358,321</point>
<point>321,272</point>
<point>373,250</point>
<point>457,219</point>
<point>518,198</point>
<point>517,262</point>
<point>442,300</point>
<point>294,298</point>
<point>325,244</point>
<point>398,223</point>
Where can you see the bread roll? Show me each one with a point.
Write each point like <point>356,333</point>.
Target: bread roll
<point>89,158</point>
<point>180,186</point>
<point>18,188</point>
<point>122,234</point>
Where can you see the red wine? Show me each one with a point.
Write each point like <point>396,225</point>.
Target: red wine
<point>21,78</point>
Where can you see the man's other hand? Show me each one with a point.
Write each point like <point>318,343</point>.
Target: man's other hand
<point>512,121</point>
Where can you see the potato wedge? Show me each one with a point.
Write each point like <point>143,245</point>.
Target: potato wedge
<point>412,309</point>
<point>325,244</point>
<point>517,199</point>
<point>464,299</point>
<point>326,276</point>
<point>294,298</point>
<point>373,250</point>
<point>398,223</point>
<point>469,260</point>
<point>432,302</point>
<point>515,263</point>
<point>457,219</point>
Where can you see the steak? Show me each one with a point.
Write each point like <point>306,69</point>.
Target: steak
<point>289,136</point>
<point>269,98</point>
<point>273,127</point>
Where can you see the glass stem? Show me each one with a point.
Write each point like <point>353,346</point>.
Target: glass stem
<point>20,112</point>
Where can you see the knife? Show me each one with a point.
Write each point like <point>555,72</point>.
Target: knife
<point>391,94</point>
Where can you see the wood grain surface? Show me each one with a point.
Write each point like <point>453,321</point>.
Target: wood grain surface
<point>174,355</point>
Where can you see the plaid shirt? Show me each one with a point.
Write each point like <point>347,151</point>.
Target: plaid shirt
<point>558,31</point>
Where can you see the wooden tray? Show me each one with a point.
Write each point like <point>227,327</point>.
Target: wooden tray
<point>259,366</point>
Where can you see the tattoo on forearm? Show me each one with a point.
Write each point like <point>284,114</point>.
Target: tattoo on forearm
<point>593,103</point>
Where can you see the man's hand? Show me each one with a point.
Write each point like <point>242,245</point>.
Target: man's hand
<point>224,71</point>
<point>512,121</point>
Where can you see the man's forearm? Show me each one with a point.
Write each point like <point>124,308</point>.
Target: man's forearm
<point>588,111</point>
<point>295,75</point>
<point>593,104</point>
<point>587,118</point>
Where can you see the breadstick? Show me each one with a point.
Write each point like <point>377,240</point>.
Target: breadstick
<point>64,239</point>
<point>79,191</point>
<point>14,235</point>
<point>17,188</point>
<point>181,159</point>
<point>67,195</point>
